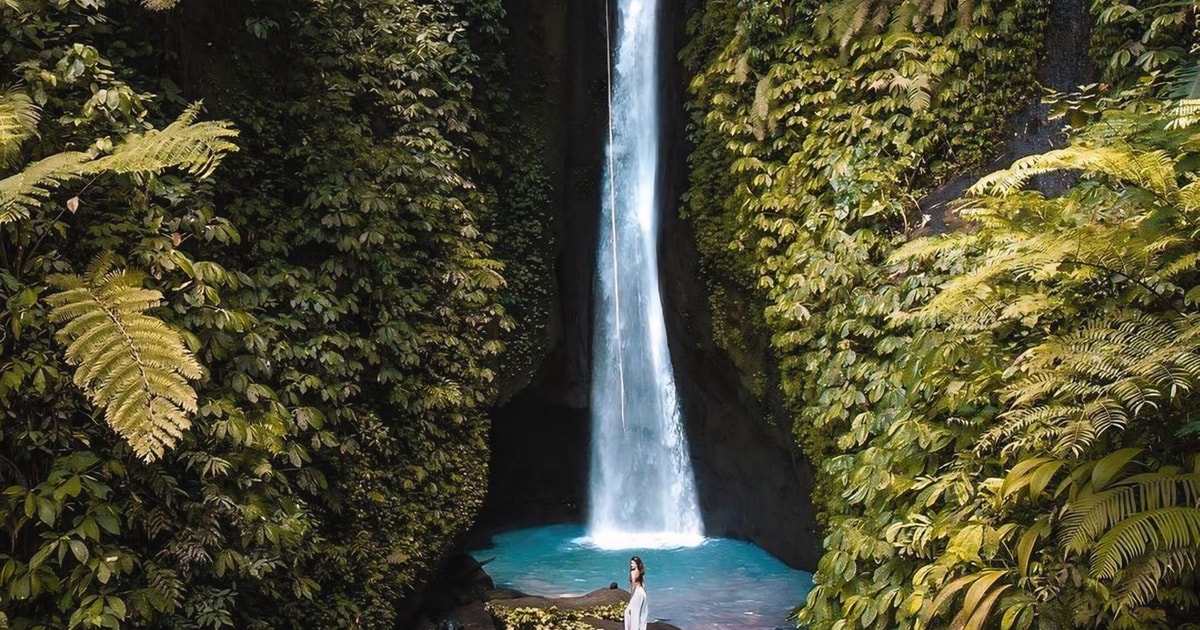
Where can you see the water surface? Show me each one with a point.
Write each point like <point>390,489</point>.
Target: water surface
<point>719,583</point>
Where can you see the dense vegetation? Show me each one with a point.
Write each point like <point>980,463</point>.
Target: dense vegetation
<point>244,364</point>
<point>1002,416</point>
<point>259,259</point>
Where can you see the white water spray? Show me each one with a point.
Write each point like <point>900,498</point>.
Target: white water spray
<point>642,489</point>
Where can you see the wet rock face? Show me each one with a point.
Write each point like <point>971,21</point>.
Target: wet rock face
<point>1066,66</point>
<point>539,467</point>
<point>753,484</point>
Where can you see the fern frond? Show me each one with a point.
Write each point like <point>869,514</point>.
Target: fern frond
<point>196,148</point>
<point>1189,200</point>
<point>18,121</point>
<point>1152,170</point>
<point>128,363</point>
<point>933,247</point>
<point>1178,266</point>
<point>28,187</point>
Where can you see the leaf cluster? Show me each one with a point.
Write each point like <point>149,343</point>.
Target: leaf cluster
<point>335,435</point>
<point>959,393</point>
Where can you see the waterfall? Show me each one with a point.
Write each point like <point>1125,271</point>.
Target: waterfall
<point>642,488</point>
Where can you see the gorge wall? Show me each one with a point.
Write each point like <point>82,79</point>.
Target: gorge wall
<point>753,483</point>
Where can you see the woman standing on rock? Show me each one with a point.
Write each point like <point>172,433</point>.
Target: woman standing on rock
<point>636,613</point>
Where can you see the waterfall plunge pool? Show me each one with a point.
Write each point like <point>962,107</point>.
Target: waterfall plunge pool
<point>720,583</point>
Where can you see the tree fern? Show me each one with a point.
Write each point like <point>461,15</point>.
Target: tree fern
<point>130,364</point>
<point>1092,296</point>
<point>196,148</point>
<point>18,121</point>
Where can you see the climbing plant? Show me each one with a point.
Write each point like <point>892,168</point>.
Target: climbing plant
<point>331,446</point>
<point>1087,297</point>
<point>982,406</point>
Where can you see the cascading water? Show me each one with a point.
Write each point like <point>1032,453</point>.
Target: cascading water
<point>642,489</point>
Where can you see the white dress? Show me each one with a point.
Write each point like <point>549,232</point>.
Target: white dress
<point>637,613</point>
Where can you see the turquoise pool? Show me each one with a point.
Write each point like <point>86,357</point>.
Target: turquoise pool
<point>719,583</point>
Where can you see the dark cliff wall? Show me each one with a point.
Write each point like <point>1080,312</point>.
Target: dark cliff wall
<point>1066,66</point>
<point>753,482</point>
<point>539,440</point>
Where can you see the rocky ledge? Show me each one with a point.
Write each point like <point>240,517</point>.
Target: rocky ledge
<point>584,610</point>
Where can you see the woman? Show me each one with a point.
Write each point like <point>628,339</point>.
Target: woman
<point>636,613</point>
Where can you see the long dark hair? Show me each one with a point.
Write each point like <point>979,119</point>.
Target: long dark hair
<point>641,570</point>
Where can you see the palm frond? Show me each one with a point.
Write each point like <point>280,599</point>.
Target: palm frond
<point>1142,580</point>
<point>1102,511</point>
<point>1154,530</point>
<point>1184,113</point>
<point>129,364</point>
<point>1185,83</point>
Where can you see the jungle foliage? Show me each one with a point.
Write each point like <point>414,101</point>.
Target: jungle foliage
<point>294,349</point>
<point>1003,415</point>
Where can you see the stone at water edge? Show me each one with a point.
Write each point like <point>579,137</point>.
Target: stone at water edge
<point>604,624</point>
<point>503,593</point>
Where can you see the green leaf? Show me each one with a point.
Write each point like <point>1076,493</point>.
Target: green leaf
<point>47,510</point>
<point>980,617</point>
<point>117,605</point>
<point>79,550</point>
<point>1040,528</point>
<point>108,522</point>
<point>1042,476</point>
<point>1108,467</point>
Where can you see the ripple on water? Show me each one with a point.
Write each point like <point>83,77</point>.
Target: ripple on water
<point>719,583</point>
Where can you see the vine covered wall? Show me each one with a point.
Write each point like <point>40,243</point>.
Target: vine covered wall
<point>333,275</point>
<point>993,447</point>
